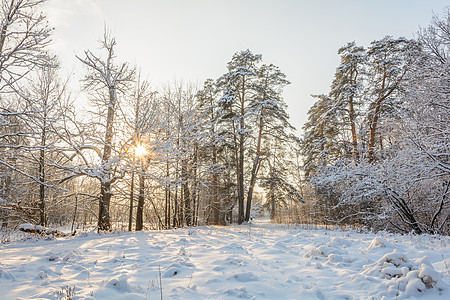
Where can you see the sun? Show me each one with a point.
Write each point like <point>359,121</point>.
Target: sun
<point>140,150</point>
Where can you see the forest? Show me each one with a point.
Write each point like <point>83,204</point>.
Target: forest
<point>374,154</point>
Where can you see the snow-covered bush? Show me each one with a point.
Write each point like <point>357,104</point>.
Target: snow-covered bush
<point>410,278</point>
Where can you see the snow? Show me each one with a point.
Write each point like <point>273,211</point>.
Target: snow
<point>264,261</point>
<point>27,226</point>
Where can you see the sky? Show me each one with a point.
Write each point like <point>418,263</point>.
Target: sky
<point>192,40</point>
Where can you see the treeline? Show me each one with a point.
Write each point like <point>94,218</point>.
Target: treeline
<point>376,148</point>
<point>135,157</point>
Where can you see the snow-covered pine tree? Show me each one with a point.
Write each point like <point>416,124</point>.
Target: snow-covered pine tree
<point>238,92</point>
<point>346,93</point>
<point>388,62</point>
<point>270,118</point>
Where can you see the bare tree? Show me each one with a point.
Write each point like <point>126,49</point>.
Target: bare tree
<point>45,102</point>
<point>24,37</point>
<point>106,80</point>
<point>206,101</point>
<point>143,116</point>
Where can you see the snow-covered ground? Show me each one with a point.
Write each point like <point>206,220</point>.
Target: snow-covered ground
<point>264,261</point>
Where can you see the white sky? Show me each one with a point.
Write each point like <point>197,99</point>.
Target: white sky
<point>193,40</point>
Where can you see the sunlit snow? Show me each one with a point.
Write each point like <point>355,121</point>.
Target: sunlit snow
<point>258,261</point>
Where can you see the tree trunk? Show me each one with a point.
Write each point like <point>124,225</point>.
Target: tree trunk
<point>186,195</point>
<point>105,190</point>
<point>255,170</point>
<point>166,202</point>
<point>74,215</point>
<point>103,210</point>
<point>175,209</point>
<point>272,203</point>
<point>241,180</point>
<point>197,209</point>
<point>241,156</point>
<point>272,189</point>
<point>141,198</point>
<point>43,221</point>
<point>195,189</point>
<point>372,133</point>
<point>374,122</point>
<point>130,217</point>
<point>42,210</point>
<point>352,118</point>
<point>168,208</point>
<point>215,204</point>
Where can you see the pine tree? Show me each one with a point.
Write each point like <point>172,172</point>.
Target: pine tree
<point>238,92</point>
<point>270,118</point>
<point>321,133</point>
<point>388,62</point>
<point>346,91</point>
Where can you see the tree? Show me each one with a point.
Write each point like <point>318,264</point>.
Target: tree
<point>45,102</point>
<point>346,89</point>
<point>141,121</point>
<point>176,149</point>
<point>278,174</point>
<point>401,91</point>
<point>24,37</point>
<point>272,120</point>
<point>319,145</point>
<point>207,100</point>
<point>237,93</point>
<point>426,122</point>
<point>106,80</point>
<point>388,62</point>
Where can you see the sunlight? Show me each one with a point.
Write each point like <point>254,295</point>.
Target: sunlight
<point>140,150</point>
